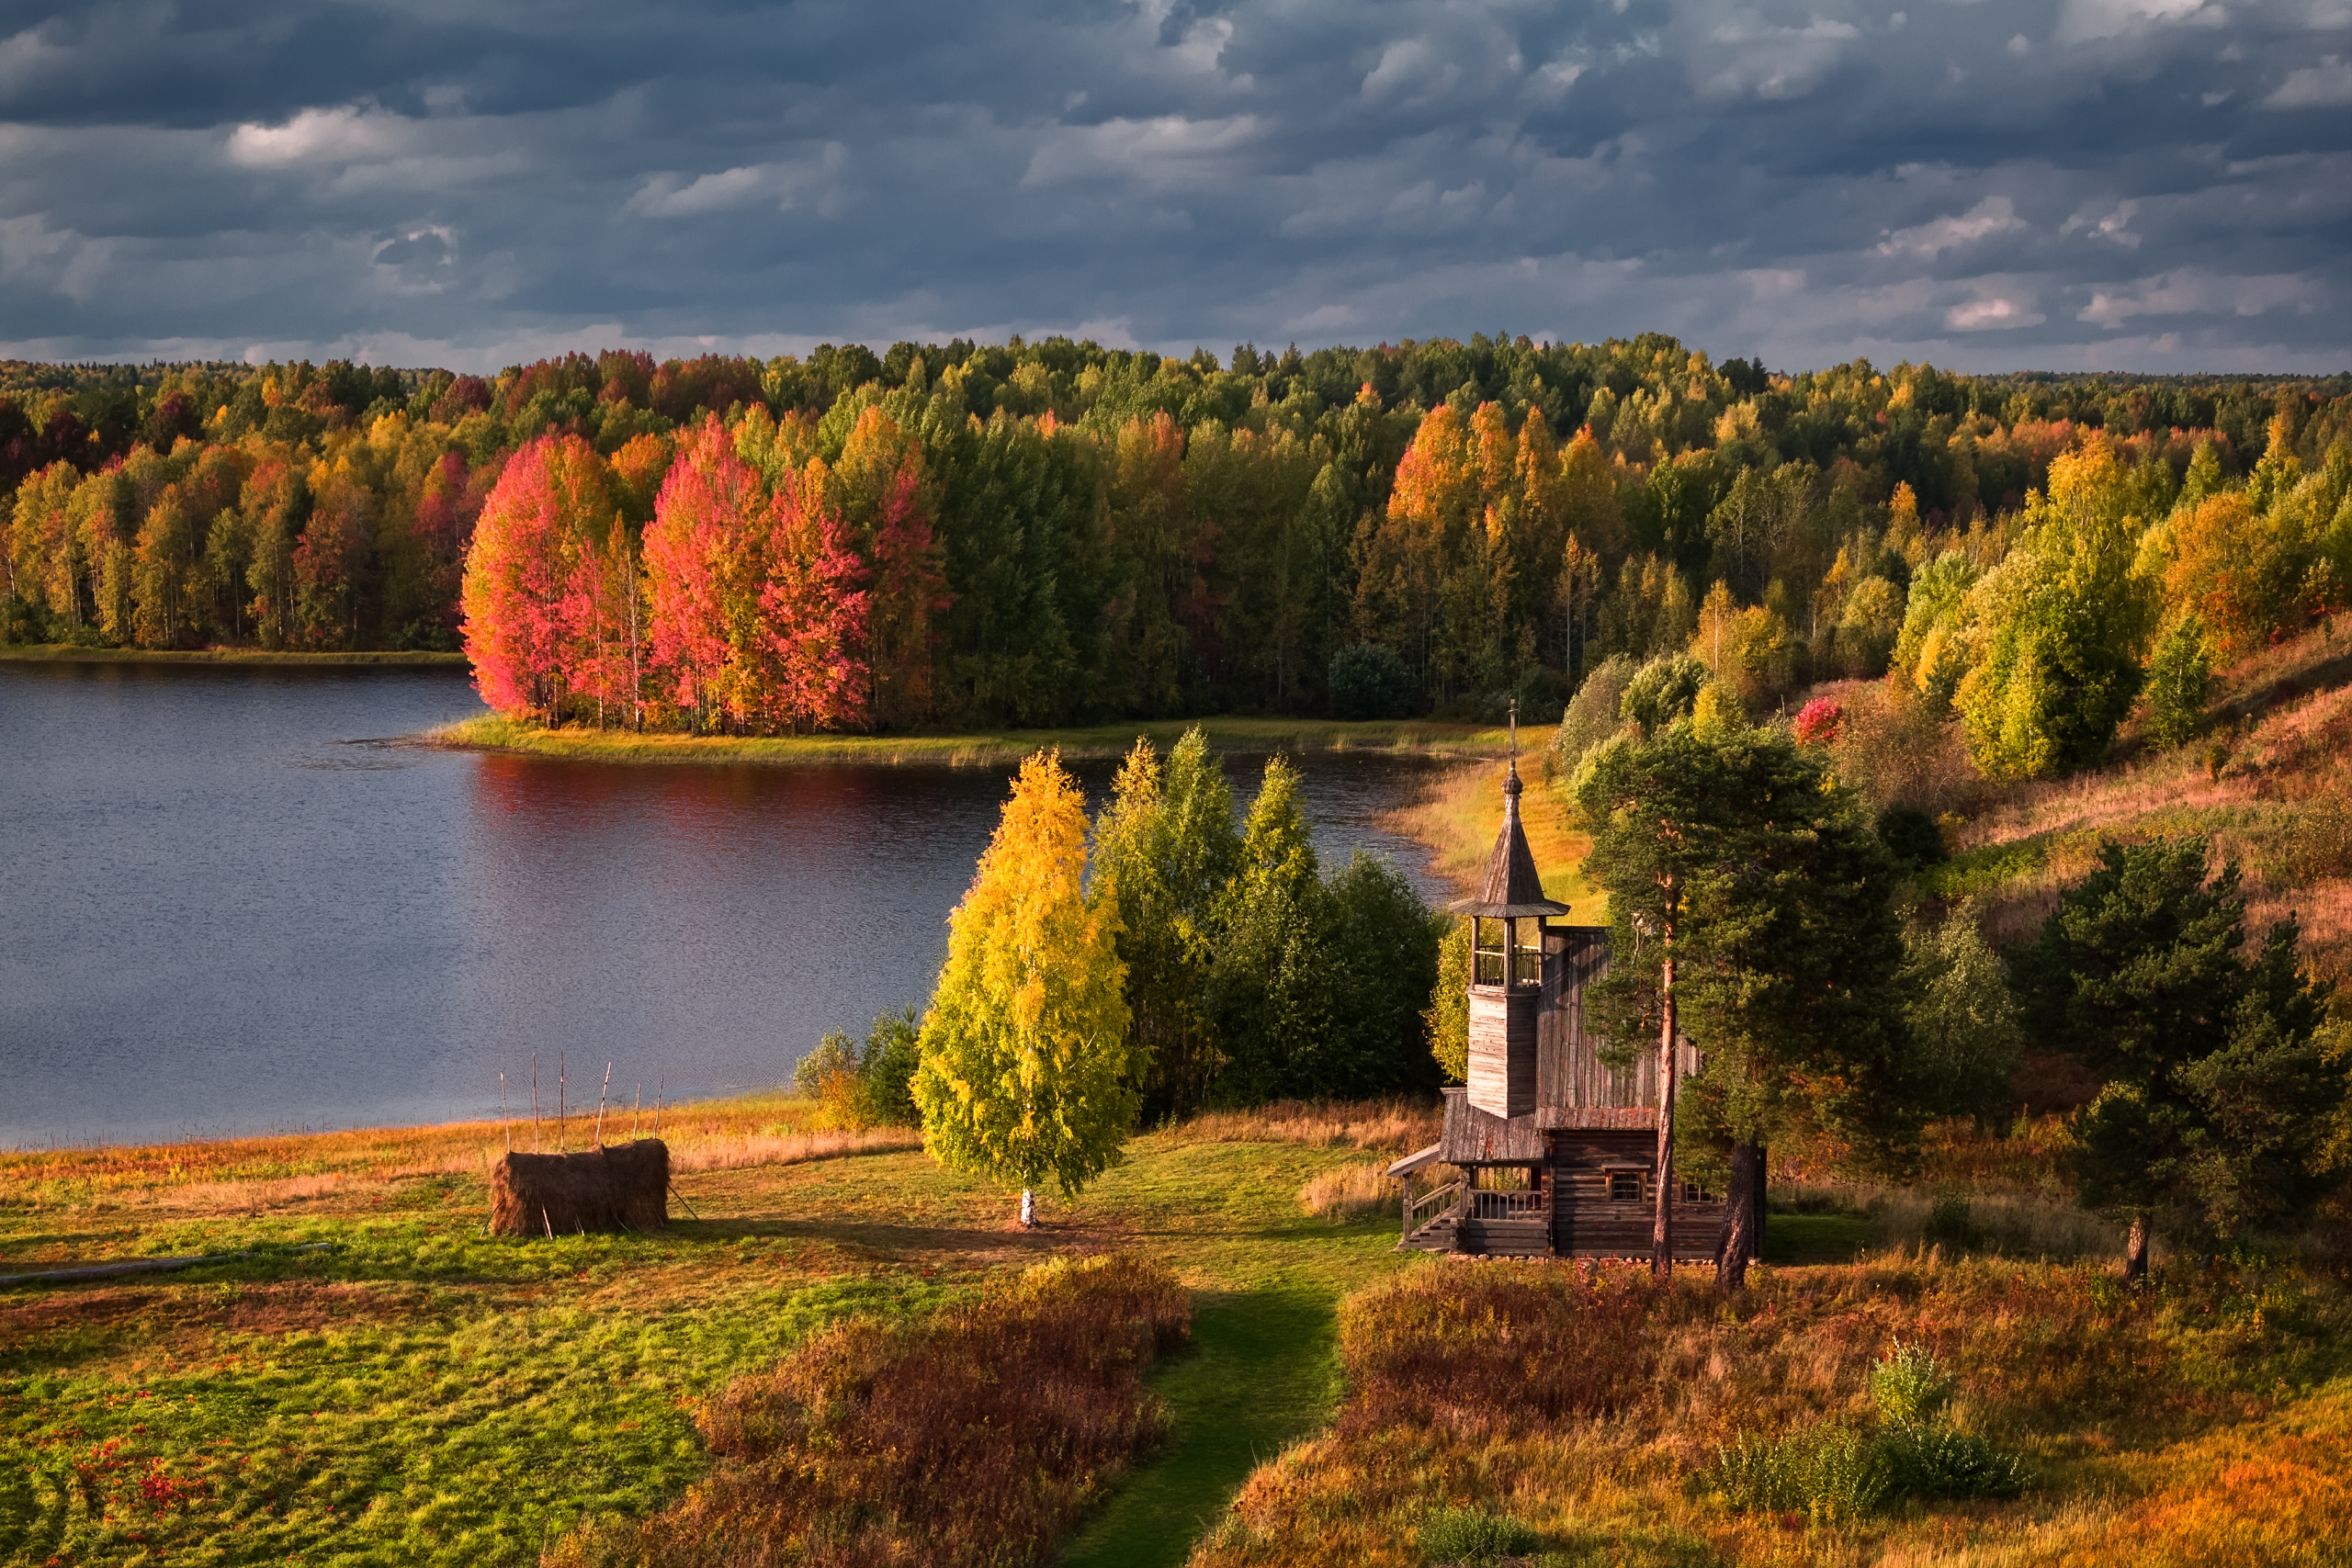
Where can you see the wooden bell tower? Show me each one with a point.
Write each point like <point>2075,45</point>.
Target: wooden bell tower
<point>1507,962</point>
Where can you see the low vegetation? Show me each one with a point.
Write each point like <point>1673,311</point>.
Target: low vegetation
<point>1828,1415</point>
<point>972,1436</point>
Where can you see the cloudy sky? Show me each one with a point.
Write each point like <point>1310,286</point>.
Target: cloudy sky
<point>2004,184</point>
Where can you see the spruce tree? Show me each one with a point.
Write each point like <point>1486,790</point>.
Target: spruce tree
<point>2216,1091</point>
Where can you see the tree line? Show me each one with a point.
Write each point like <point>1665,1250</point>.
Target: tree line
<point>1246,971</point>
<point>1044,532</point>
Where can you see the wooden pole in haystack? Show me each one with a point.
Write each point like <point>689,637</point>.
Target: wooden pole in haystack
<point>503,1119</point>
<point>602,1095</point>
<point>534,1102</point>
<point>635,1106</point>
<point>559,1102</point>
<point>656,1105</point>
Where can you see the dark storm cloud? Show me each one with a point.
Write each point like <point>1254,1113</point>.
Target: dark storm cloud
<point>2149,184</point>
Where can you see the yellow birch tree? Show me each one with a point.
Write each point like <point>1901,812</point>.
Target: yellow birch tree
<point>1024,1049</point>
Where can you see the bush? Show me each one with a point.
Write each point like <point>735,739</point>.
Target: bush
<point>1943,1462</point>
<point>868,1086</point>
<point>1833,1474</point>
<point>971,1438</point>
<point>1911,836</point>
<point>1829,1473</point>
<point>1470,1536</point>
<point>1369,680</point>
<point>1663,691</point>
<point>1908,1386</point>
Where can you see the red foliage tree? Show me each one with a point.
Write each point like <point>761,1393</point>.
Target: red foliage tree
<point>813,615</point>
<point>525,622</point>
<point>698,563</point>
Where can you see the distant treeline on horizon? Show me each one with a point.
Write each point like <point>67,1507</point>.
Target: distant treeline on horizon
<point>1047,533</point>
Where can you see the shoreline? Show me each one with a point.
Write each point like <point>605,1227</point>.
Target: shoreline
<point>1465,742</point>
<point>74,653</point>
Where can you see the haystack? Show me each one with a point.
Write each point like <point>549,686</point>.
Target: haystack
<point>625,1187</point>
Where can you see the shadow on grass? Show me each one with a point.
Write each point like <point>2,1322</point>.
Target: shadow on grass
<point>1816,1238</point>
<point>1262,1369</point>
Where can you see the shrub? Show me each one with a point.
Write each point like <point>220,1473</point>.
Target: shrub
<point>1663,691</point>
<point>1818,722</point>
<point>973,1437</point>
<point>1939,1460</point>
<point>1829,1473</point>
<point>1908,1386</point>
<point>1593,714</point>
<point>1469,1536</point>
<point>1368,680</point>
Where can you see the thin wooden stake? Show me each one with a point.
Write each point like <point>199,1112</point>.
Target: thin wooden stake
<point>559,1147</point>
<point>636,1107</point>
<point>504,1120</point>
<point>534,1102</point>
<point>601,1094</point>
<point>657,1106</point>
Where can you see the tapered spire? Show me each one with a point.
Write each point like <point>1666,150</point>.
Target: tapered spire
<point>1510,886</point>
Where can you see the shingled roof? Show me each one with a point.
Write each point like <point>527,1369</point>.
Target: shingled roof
<point>1509,888</point>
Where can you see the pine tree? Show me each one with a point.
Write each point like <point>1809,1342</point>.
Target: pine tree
<point>2217,1093</point>
<point>1026,1073</point>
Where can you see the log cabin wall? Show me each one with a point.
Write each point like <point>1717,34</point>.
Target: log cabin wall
<point>1590,1220</point>
<point>1571,1078</point>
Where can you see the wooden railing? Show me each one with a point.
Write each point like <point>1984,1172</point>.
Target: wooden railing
<point>1429,1206</point>
<point>1505,1205</point>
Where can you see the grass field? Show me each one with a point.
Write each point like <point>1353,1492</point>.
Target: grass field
<point>423,1393</point>
<point>74,653</point>
<point>1423,736</point>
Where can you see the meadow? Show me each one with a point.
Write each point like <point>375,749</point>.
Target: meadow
<point>419,1392</point>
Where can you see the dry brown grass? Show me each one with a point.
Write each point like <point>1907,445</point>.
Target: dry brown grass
<point>2269,789</point>
<point>752,1149</point>
<point>1590,1403</point>
<point>1351,1192</point>
<point>971,1437</point>
<point>1400,1124</point>
<point>296,1170</point>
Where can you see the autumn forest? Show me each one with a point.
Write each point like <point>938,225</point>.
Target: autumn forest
<point>1047,533</point>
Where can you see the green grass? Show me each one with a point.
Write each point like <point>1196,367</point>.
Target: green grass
<point>1263,1369</point>
<point>75,653</point>
<point>1816,1238</point>
<point>975,749</point>
<point>425,1395</point>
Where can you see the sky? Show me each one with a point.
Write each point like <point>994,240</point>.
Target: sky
<point>2126,185</point>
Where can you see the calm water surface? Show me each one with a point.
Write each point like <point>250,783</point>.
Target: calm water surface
<point>231,904</point>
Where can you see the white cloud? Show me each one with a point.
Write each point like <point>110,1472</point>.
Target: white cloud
<point>2080,21</point>
<point>2191,291</point>
<point>1994,215</point>
<point>1990,313</point>
<point>785,185</point>
<point>2326,85</point>
<point>335,135</point>
<point>1168,150</point>
<point>1409,64</point>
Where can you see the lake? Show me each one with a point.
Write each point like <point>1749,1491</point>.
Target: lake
<point>235,902</point>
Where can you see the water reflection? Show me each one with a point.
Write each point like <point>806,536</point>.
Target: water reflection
<point>225,915</point>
